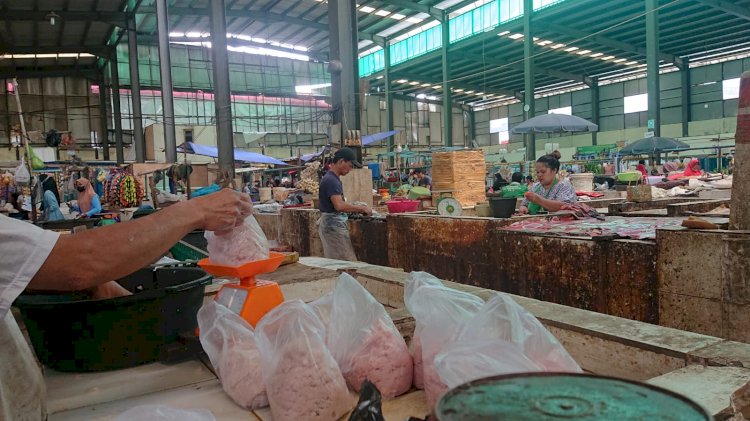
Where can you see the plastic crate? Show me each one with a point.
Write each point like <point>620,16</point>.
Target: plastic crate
<point>184,251</point>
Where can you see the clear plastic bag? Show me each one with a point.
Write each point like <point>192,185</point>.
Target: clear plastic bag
<point>322,307</point>
<point>502,318</point>
<point>240,245</point>
<point>439,312</point>
<point>413,282</point>
<point>365,342</point>
<point>302,379</point>
<point>462,362</point>
<point>230,344</point>
<point>22,176</point>
<point>165,413</point>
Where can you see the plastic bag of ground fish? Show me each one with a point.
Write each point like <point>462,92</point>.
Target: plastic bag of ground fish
<point>365,342</point>
<point>239,245</point>
<point>302,379</point>
<point>322,307</point>
<point>230,344</point>
<point>461,362</point>
<point>440,311</point>
<point>503,319</point>
<point>413,282</point>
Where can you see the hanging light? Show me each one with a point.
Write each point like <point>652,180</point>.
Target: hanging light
<point>52,16</point>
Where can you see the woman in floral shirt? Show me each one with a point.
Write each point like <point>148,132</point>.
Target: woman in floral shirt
<point>549,193</point>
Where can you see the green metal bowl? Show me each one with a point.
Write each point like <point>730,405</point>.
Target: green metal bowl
<point>564,396</point>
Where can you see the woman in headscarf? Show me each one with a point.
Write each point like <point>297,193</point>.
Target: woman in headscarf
<point>641,167</point>
<point>692,169</point>
<point>88,201</point>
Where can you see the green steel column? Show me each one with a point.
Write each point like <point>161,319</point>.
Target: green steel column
<point>472,124</point>
<point>685,88</point>
<point>528,77</point>
<point>388,99</point>
<point>652,65</point>
<point>594,86</point>
<point>116,107</point>
<point>447,97</point>
<point>103,130</point>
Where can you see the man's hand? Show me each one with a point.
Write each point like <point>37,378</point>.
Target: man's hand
<point>364,210</point>
<point>222,210</point>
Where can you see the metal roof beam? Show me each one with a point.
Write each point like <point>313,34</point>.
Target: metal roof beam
<point>256,15</point>
<point>728,7</point>
<point>149,39</point>
<point>608,42</point>
<point>113,18</point>
<point>416,7</point>
<point>96,51</point>
<point>464,86</point>
<point>519,66</point>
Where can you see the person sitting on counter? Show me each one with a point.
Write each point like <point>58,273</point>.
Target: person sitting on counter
<point>423,180</point>
<point>549,192</point>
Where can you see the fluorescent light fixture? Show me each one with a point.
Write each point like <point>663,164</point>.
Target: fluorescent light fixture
<point>630,63</point>
<point>596,55</point>
<point>402,81</point>
<point>535,39</point>
<point>606,58</point>
<point>424,85</point>
<point>544,42</point>
<point>397,16</point>
<point>583,52</point>
<point>366,9</point>
<point>501,34</point>
<point>458,90</point>
<point>379,77</point>
<point>480,93</point>
<point>414,20</point>
<point>413,83</point>
<point>469,92</point>
<point>437,87</point>
<point>382,13</point>
<point>177,34</point>
<point>619,60</point>
<point>556,46</point>
<point>571,49</point>
<point>515,36</point>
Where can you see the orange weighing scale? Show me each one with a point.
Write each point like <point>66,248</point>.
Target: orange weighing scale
<point>251,298</point>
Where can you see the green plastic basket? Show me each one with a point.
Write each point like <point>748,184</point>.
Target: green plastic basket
<point>183,251</point>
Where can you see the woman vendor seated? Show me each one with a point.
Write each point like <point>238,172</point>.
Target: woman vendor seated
<point>549,192</point>
<point>693,169</point>
<point>88,201</point>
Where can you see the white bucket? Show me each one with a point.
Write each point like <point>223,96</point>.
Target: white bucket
<point>582,182</point>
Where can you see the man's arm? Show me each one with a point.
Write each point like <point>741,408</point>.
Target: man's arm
<point>93,257</point>
<point>341,206</point>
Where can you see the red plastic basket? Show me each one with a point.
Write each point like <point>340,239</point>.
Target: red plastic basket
<point>403,205</point>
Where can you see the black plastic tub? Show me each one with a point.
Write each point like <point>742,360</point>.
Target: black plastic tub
<point>502,208</point>
<point>80,335</point>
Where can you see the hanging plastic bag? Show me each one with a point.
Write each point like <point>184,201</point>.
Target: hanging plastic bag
<point>365,342</point>
<point>502,318</point>
<point>302,379</point>
<point>22,176</point>
<point>165,413</point>
<point>413,282</point>
<point>230,344</point>
<point>440,312</point>
<point>240,245</point>
<point>462,362</point>
<point>36,162</point>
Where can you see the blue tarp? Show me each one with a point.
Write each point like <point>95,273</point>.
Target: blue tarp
<point>311,156</point>
<point>372,138</point>
<point>239,155</point>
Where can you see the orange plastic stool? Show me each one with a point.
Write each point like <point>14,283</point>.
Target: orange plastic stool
<point>252,298</point>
